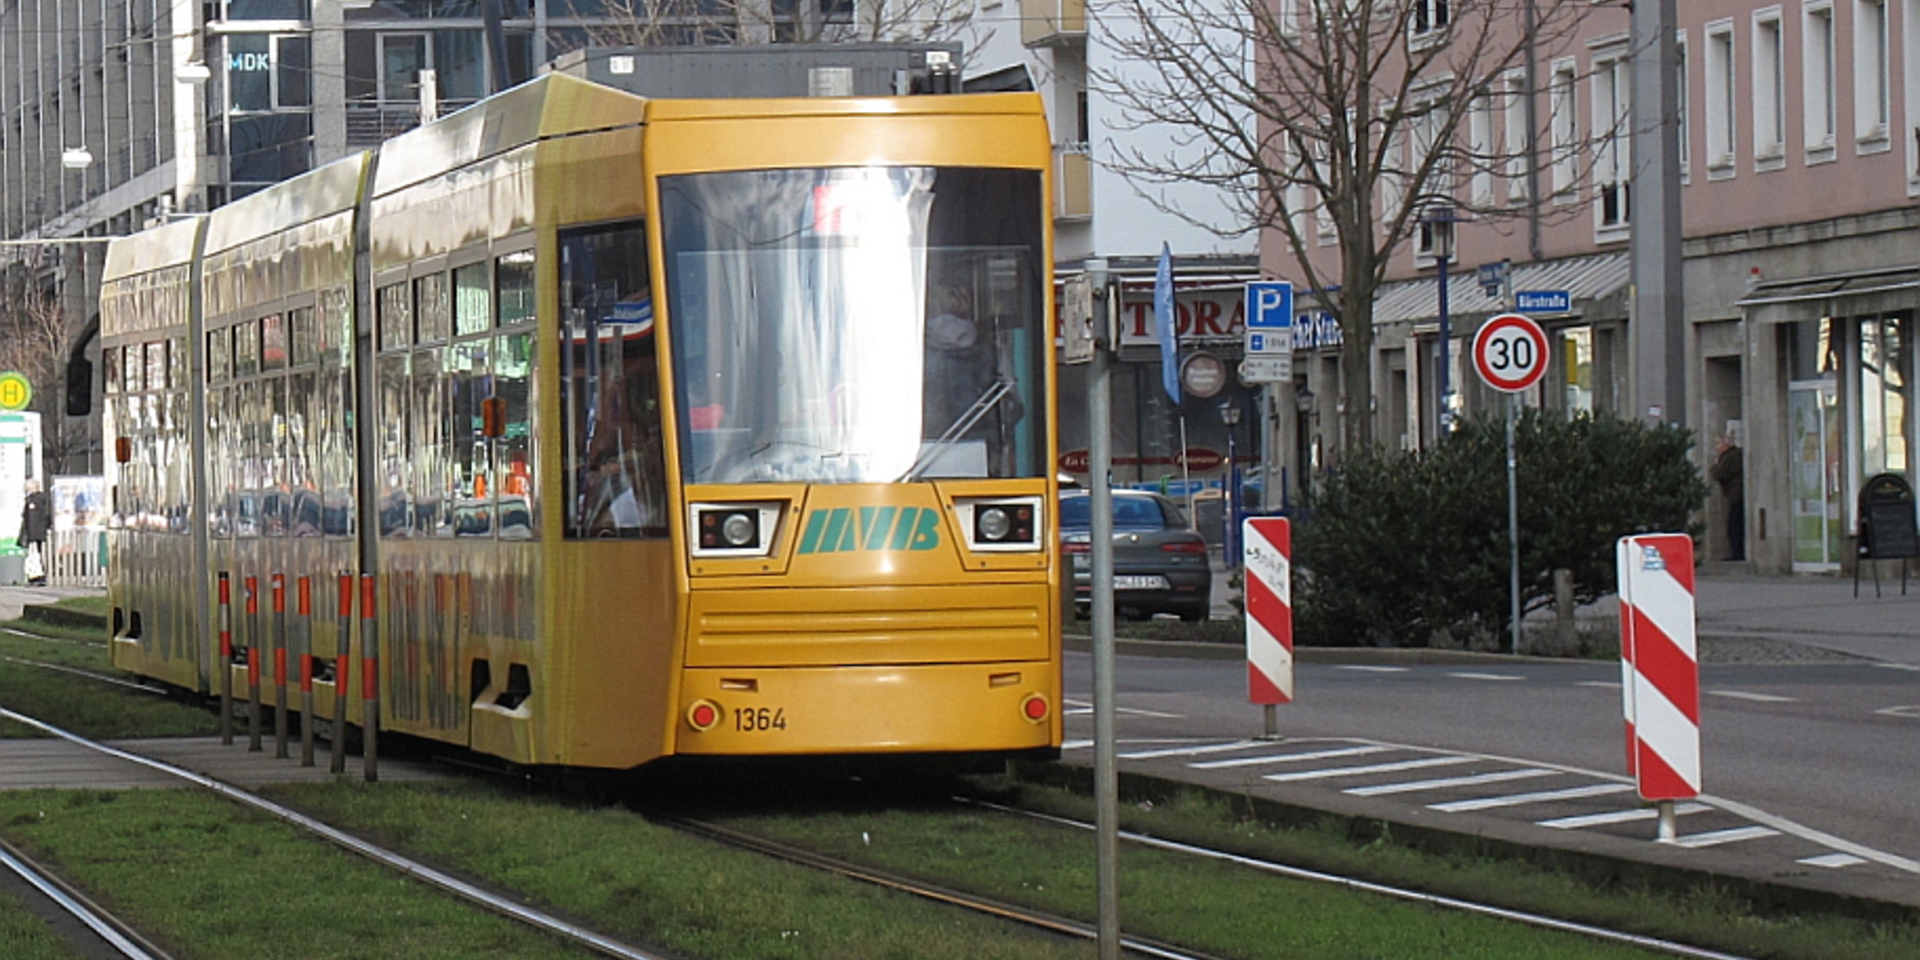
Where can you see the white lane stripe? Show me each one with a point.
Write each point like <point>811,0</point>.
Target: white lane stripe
<point>1718,837</point>
<point>1822,838</point>
<point>1603,684</point>
<point>1328,773</point>
<point>1543,796</point>
<point>1190,751</point>
<point>1899,666</point>
<point>1369,668</point>
<point>1287,757</point>
<point>1484,676</point>
<point>1746,695</point>
<point>1832,861</point>
<point>1618,816</point>
<point>1084,707</point>
<point>1076,744</point>
<point>1474,780</point>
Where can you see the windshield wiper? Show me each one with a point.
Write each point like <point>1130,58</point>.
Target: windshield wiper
<point>996,391</point>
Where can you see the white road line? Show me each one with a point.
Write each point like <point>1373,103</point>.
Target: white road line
<point>1718,837</point>
<point>1909,712</point>
<point>1412,786</point>
<point>1076,744</point>
<point>1370,669</point>
<point>1603,684</point>
<point>1467,675</point>
<point>1328,773</point>
<point>1617,816</point>
<point>1288,757</point>
<point>1900,666</point>
<point>1832,861</point>
<point>1083,708</point>
<point>1544,796</point>
<point>1191,751</point>
<point>1746,695</point>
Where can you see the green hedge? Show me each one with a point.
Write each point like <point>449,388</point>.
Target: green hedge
<point>1411,549</point>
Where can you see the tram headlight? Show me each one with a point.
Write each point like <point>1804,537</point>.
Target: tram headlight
<point>1001,524</point>
<point>733,529</point>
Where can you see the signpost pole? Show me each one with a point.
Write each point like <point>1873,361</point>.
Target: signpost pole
<point>1513,517</point>
<point>1510,351</point>
<point>1106,779</point>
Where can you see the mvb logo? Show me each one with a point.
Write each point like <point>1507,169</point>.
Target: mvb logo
<point>847,529</point>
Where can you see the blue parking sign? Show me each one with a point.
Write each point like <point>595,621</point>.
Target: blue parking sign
<point>1270,305</point>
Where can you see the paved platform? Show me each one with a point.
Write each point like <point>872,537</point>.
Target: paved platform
<point>59,764</point>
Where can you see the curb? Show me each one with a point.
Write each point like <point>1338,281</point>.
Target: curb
<point>1598,868</point>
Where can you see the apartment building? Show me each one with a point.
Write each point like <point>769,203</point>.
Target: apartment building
<point>1800,172</point>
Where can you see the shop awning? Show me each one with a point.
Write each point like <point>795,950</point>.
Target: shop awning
<point>1843,294</point>
<point>1418,301</point>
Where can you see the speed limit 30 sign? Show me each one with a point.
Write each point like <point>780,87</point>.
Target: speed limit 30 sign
<point>1510,351</point>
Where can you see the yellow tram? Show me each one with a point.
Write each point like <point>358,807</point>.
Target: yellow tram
<point>716,427</point>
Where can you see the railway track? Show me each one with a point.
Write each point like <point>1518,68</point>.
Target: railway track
<point>1051,924</point>
<point>92,930</point>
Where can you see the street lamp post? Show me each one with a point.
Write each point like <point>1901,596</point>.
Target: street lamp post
<point>1230,415</point>
<point>1439,221</point>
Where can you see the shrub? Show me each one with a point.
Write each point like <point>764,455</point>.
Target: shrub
<point>1411,549</point>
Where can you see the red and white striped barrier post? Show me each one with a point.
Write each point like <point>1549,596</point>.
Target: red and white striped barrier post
<point>341,678</point>
<point>369,680</point>
<point>1660,671</point>
<point>304,595</point>
<point>1269,596</point>
<point>279,581</point>
<point>252,585</point>
<point>226,658</point>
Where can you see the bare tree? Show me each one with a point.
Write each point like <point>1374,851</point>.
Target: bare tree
<point>1325,118</point>
<point>36,334</point>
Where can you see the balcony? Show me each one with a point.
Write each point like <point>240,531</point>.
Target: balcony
<point>1053,23</point>
<point>1072,182</point>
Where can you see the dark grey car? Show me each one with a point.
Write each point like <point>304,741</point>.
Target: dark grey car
<point>1159,566</point>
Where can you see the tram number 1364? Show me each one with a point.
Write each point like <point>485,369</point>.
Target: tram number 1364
<point>759,719</point>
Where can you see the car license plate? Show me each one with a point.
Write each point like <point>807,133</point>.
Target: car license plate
<point>1139,583</point>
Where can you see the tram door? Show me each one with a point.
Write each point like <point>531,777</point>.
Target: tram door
<point>1813,435</point>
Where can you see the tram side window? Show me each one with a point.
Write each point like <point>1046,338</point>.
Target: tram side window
<point>470,460</point>
<point>518,517</point>
<point>609,386</point>
<point>396,510</point>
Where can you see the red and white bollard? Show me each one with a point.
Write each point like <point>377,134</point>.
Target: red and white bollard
<point>1269,597</point>
<point>1660,670</point>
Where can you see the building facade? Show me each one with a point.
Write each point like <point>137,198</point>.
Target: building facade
<point>1799,129</point>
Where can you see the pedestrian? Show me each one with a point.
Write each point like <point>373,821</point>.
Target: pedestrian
<point>35,520</point>
<point>1729,472</point>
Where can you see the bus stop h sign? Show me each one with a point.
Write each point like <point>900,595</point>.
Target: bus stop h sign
<point>1510,351</point>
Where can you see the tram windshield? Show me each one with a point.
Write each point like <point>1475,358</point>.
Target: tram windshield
<point>857,324</point>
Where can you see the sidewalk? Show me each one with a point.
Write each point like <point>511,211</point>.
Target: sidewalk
<point>15,599</point>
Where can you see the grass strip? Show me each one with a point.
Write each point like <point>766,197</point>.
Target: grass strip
<point>1711,916</point>
<point>199,871</point>
<point>209,879</point>
<point>86,707</point>
<point>25,936</point>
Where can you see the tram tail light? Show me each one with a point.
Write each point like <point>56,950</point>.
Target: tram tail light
<point>1035,707</point>
<point>1001,525</point>
<point>733,529</point>
<point>703,715</point>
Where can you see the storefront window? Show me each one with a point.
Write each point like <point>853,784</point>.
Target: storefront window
<point>1576,351</point>
<point>1884,402</point>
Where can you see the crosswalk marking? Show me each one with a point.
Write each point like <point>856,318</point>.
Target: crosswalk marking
<point>1330,772</point>
<point>1618,816</point>
<point>1832,861</point>
<point>1755,697</point>
<point>1190,751</point>
<point>1084,708</point>
<point>1474,780</point>
<point>1544,796</point>
<point>1717,837</point>
<point>1287,757</point>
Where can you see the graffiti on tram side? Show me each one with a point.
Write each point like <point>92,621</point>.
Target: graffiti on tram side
<point>850,529</point>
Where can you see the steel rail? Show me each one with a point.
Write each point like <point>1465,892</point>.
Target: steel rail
<point>1399,893</point>
<point>926,891</point>
<point>110,929</point>
<point>87,674</point>
<point>420,871</point>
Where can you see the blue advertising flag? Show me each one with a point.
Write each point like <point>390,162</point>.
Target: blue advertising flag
<point>1164,324</point>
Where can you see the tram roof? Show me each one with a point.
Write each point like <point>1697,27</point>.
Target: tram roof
<point>553,105</point>
<point>322,192</point>
<point>169,245</point>
<point>974,104</point>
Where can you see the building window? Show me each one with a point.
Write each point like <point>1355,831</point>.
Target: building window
<point>1480,142</point>
<point>1769,91</point>
<point>1517,142</point>
<point>1818,92</point>
<point>1885,361</point>
<point>1871,95</point>
<point>1429,19</point>
<point>1682,97</point>
<point>1564,127</point>
<point>1612,136</point>
<point>1721,86</point>
<point>1911,19</point>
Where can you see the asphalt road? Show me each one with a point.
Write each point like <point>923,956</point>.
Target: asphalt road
<point>1809,766</point>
